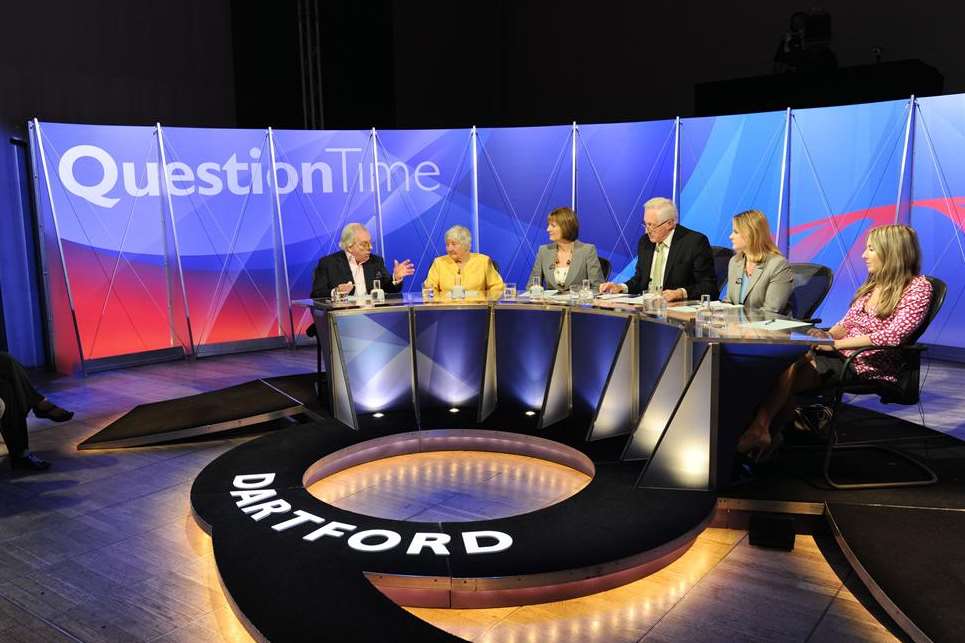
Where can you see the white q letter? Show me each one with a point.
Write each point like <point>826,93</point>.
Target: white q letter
<point>93,193</point>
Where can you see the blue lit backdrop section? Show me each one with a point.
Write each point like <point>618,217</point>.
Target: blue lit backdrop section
<point>729,164</point>
<point>324,181</point>
<point>378,360</point>
<point>524,173</point>
<point>845,163</point>
<point>107,193</point>
<point>656,344</point>
<point>595,342</point>
<point>619,167</point>
<point>938,207</point>
<point>450,356</point>
<point>426,187</point>
<point>224,215</point>
<point>526,342</point>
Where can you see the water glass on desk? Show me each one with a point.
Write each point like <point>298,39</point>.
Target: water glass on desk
<point>586,292</point>
<point>718,316</point>
<point>704,315</point>
<point>509,294</point>
<point>428,292</point>
<point>378,295</point>
<point>535,289</point>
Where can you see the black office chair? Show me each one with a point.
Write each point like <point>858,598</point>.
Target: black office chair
<point>722,257</point>
<point>905,391</point>
<point>605,267</point>
<point>812,283</point>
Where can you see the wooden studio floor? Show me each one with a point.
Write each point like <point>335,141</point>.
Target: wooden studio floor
<point>103,546</point>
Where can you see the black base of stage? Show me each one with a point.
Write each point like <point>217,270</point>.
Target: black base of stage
<point>904,543</point>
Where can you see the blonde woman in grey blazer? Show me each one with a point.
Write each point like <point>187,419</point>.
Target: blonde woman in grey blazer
<point>757,276</point>
<point>565,261</point>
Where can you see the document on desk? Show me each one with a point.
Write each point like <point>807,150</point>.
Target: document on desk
<point>778,324</point>
<point>622,299</point>
<point>694,308</point>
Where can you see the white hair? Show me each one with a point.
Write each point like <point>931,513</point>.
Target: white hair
<point>460,234</point>
<point>665,208</point>
<point>347,239</point>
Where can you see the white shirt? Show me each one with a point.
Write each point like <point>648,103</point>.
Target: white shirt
<point>358,275</point>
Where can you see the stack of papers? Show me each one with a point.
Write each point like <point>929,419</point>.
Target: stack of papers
<point>778,324</point>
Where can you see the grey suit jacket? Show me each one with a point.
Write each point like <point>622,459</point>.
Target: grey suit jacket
<point>770,284</point>
<point>584,265</point>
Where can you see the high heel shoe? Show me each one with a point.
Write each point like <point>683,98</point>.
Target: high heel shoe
<point>751,442</point>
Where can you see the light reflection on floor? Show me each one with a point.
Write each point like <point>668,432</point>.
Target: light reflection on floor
<point>450,486</point>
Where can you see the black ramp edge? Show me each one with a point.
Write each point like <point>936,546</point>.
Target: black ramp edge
<point>916,557</point>
<point>170,416</point>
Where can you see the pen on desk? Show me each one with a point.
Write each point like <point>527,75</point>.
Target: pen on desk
<point>767,321</point>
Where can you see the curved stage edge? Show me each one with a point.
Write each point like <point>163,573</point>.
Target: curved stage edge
<point>283,588</point>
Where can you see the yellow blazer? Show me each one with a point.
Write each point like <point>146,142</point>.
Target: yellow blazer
<point>478,273</point>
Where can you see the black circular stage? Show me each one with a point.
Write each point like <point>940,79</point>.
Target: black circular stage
<point>297,568</point>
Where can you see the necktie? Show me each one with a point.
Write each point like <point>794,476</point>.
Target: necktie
<point>656,270</point>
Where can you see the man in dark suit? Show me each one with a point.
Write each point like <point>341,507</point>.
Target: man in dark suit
<point>354,267</point>
<point>675,259</point>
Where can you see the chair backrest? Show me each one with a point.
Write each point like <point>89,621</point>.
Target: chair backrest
<point>605,267</point>
<point>812,283</point>
<point>938,290</point>
<point>722,257</point>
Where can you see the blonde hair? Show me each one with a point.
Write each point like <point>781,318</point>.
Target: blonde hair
<point>566,219</point>
<point>752,225</point>
<point>897,248</point>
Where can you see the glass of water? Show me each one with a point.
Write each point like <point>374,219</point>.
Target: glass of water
<point>428,292</point>
<point>535,289</point>
<point>509,293</point>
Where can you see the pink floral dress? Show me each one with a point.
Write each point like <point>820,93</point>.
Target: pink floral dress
<point>890,331</point>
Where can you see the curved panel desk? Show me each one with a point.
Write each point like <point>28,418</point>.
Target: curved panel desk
<point>673,396</point>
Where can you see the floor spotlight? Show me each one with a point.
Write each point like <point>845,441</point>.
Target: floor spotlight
<point>378,415</point>
<point>531,413</point>
<point>453,410</point>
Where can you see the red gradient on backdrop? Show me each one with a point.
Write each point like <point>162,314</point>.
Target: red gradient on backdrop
<point>120,301</point>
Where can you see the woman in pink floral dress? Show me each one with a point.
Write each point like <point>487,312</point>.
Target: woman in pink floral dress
<point>888,307</point>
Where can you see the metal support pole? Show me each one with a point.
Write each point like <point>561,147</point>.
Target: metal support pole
<point>174,236</point>
<point>283,285</point>
<point>783,236</point>
<point>378,191</point>
<point>675,197</point>
<point>909,124</point>
<point>474,142</point>
<point>60,244</point>
<point>573,172</point>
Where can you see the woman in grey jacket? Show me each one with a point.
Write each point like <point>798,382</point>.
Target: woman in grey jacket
<point>757,276</point>
<point>565,261</point>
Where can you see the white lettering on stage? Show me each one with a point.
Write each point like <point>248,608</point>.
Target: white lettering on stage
<point>343,171</point>
<point>252,496</point>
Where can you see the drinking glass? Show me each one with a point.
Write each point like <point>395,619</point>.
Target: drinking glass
<point>427,294</point>
<point>510,292</point>
<point>586,291</point>
<point>535,289</point>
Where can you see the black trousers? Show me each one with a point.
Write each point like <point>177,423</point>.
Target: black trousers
<point>19,396</point>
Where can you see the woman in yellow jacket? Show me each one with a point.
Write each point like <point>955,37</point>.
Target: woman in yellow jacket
<point>476,271</point>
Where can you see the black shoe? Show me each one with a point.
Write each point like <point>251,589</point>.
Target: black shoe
<point>28,462</point>
<point>50,411</point>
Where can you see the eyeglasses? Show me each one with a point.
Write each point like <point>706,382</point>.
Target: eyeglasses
<point>653,226</point>
<point>363,244</point>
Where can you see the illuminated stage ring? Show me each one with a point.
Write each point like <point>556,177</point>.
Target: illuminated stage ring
<point>285,587</point>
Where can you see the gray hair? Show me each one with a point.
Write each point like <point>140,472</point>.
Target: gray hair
<point>461,235</point>
<point>347,239</point>
<point>665,208</point>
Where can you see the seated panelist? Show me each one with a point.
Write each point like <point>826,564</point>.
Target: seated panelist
<point>475,271</point>
<point>757,275</point>
<point>671,258</point>
<point>353,268</point>
<point>565,261</point>
<point>886,309</point>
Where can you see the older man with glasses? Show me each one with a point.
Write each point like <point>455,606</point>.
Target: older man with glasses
<point>672,259</point>
<point>354,268</point>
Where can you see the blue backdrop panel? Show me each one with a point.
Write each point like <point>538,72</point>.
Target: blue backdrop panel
<point>657,342</point>
<point>106,189</point>
<point>450,355</point>
<point>325,180</point>
<point>224,215</point>
<point>845,163</point>
<point>619,167</point>
<point>596,340</point>
<point>426,187</point>
<point>378,360</point>
<point>938,207</point>
<point>523,173</point>
<point>729,164</point>
<point>526,342</point>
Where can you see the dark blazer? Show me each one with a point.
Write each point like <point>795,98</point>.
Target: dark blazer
<point>690,265</point>
<point>333,270</point>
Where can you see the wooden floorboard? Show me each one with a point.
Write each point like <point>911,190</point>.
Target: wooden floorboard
<point>103,546</point>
